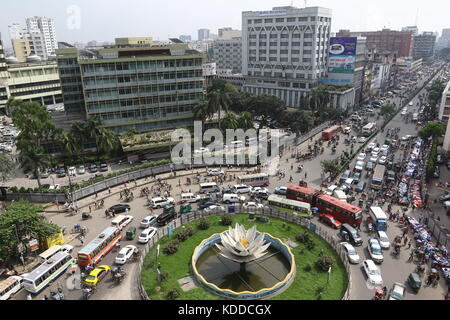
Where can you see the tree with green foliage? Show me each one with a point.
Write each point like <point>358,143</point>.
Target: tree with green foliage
<point>330,166</point>
<point>266,106</point>
<point>35,160</point>
<point>202,110</point>
<point>387,111</point>
<point>245,121</point>
<point>319,98</point>
<point>230,121</point>
<point>7,167</point>
<point>432,129</point>
<point>219,101</point>
<point>20,223</point>
<point>300,121</point>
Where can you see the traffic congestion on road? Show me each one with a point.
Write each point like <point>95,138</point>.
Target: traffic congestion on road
<point>375,208</point>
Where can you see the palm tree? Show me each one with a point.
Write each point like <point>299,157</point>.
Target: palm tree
<point>106,140</point>
<point>320,97</point>
<point>202,110</point>
<point>34,159</point>
<point>245,120</point>
<point>219,100</point>
<point>230,121</point>
<point>70,145</point>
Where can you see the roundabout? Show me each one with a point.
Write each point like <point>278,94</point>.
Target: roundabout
<point>288,271</point>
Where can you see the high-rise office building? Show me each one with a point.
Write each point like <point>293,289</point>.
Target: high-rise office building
<point>145,87</point>
<point>285,51</point>
<point>203,34</point>
<point>227,54</point>
<point>3,75</point>
<point>424,45</point>
<point>43,34</point>
<point>444,40</point>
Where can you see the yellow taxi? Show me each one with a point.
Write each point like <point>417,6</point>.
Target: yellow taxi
<point>97,275</point>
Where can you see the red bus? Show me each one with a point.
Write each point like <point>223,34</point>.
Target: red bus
<point>99,247</point>
<point>341,210</point>
<point>301,194</point>
<point>330,133</point>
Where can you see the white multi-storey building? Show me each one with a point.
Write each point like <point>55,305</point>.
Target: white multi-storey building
<point>284,51</point>
<point>203,34</point>
<point>43,35</point>
<point>228,55</point>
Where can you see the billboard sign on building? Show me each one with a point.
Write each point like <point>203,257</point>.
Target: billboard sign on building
<point>342,55</point>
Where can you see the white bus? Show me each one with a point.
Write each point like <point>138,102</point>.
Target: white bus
<point>10,286</point>
<point>379,218</point>
<point>50,252</point>
<point>292,206</point>
<point>369,128</point>
<point>255,180</point>
<point>48,271</point>
<point>378,177</point>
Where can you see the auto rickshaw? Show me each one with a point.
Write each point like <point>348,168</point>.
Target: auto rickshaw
<point>131,233</point>
<point>185,208</point>
<point>414,282</point>
<point>168,209</point>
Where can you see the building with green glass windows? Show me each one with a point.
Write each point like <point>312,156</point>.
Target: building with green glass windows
<point>136,86</point>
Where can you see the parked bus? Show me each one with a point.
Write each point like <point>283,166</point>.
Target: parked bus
<point>378,177</point>
<point>10,286</point>
<point>301,208</point>
<point>330,133</point>
<point>48,271</point>
<point>99,247</point>
<point>379,218</point>
<point>47,254</point>
<point>255,180</point>
<point>340,210</point>
<point>369,129</point>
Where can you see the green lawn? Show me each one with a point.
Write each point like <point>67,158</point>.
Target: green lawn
<point>304,287</point>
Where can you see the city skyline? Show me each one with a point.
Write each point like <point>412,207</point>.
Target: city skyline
<point>209,15</point>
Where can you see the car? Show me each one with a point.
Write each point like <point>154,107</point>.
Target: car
<point>119,208</point>
<point>397,292</point>
<point>375,252</point>
<point>383,239</point>
<point>356,177</point>
<point>374,159</point>
<point>371,146</point>
<point>148,221</point>
<point>280,190</point>
<point>345,176</point>
<point>160,202</point>
<point>207,204</point>
<point>81,170</point>
<point>72,171</point>
<point>125,253</point>
<point>444,198</point>
<point>97,275</point>
<point>403,113</point>
<point>406,138</point>
<point>384,148</point>
<point>252,206</point>
<point>215,208</point>
<point>361,157</point>
<point>103,167</point>
<point>351,252</point>
<point>256,190</point>
<point>370,165</point>
<point>362,140</point>
<point>61,173</point>
<point>330,190</point>
<point>382,160</point>
<point>359,166</point>
<point>330,220</point>
<point>360,186</point>
<point>93,168</point>
<point>440,159</point>
<point>373,273</point>
<point>347,130</point>
<point>147,234</point>
<point>411,104</point>
<point>215,172</point>
<point>375,150</point>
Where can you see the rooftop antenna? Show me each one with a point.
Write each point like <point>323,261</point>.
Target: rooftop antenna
<point>417,17</point>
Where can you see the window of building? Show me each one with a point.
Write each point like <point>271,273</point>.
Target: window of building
<point>273,44</point>
<point>273,36</point>
<point>258,20</point>
<point>279,20</point>
<point>263,36</point>
<point>268,20</point>
<point>284,36</point>
<point>290,19</point>
<point>284,51</point>
<point>284,44</point>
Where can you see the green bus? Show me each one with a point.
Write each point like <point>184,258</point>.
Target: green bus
<point>292,206</point>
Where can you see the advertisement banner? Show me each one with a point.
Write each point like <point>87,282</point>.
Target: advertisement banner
<point>33,245</point>
<point>342,55</point>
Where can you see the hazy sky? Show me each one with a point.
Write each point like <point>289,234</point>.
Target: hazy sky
<point>103,20</point>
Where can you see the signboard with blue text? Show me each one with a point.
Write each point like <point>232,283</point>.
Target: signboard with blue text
<point>342,55</point>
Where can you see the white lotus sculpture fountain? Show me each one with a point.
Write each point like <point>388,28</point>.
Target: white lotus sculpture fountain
<point>242,246</point>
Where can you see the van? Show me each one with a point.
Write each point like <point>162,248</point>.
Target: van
<point>241,188</point>
<point>50,252</point>
<point>355,117</point>
<point>349,234</point>
<point>339,194</point>
<point>232,198</point>
<point>121,221</point>
<point>189,197</point>
<point>209,187</point>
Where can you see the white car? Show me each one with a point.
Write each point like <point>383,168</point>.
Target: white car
<point>397,292</point>
<point>375,252</point>
<point>384,148</point>
<point>371,146</point>
<point>351,252</point>
<point>252,206</point>
<point>81,170</point>
<point>215,172</point>
<point>383,240</point>
<point>382,160</point>
<point>147,234</point>
<point>256,190</point>
<point>72,171</point>
<point>374,159</point>
<point>281,190</point>
<point>361,157</point>
<point>406,138</point>
<point>359,166</point>
<point>160,202</point>
<point>148,221</point>
<point>375,150</point>
<point>411,104</point>
<point>373,273</point>
<point>362,139</point>
<point>330,190</point>
<point>125,254</point>
<point>201,150</point>
<point>215,208</point>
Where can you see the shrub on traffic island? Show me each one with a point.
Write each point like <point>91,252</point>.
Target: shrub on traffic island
<point>203,224</point>
<point>324,263</point>
<point>171,247</point>
<point>226,221</point>
<point>173,294</point>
